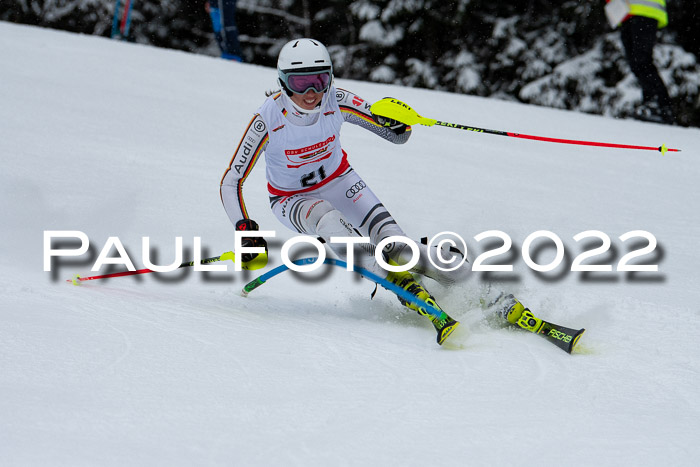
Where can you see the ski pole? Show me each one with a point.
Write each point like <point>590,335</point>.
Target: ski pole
<point>77,279</point>
<point>397,110</point>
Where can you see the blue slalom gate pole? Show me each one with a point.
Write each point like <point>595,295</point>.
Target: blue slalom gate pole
<point>405,295</point>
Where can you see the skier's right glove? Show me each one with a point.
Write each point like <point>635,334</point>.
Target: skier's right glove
<point>246,225</point>
<point>394,125</point>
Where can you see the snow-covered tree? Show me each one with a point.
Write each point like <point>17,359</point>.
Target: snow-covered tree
<point>545,52</point>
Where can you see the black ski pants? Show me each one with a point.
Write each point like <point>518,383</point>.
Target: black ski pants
<point>638,35</point>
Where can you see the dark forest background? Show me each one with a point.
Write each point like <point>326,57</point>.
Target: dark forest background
<point>554,53</point>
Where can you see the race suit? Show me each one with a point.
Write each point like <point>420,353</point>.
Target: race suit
<point>313,189</point>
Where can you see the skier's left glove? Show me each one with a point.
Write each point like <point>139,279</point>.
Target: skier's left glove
<point>394,125</point>
<point>248,225</point>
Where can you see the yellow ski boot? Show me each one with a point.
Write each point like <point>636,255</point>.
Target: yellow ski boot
<point>508,307</point>
<point>444,324</point>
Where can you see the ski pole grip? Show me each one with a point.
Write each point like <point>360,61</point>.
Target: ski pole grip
<point>399,111</point>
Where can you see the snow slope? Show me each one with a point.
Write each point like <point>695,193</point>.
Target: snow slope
<point>116,139</point>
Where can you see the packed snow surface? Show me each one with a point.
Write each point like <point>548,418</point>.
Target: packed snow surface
<point>121,140</point>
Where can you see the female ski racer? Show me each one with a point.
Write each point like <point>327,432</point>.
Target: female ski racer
<point>313,189</point>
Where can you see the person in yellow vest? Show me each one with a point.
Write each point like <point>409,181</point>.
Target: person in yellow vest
<point>639,21</point>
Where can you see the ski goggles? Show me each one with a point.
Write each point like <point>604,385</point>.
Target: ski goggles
<point>300,83</point>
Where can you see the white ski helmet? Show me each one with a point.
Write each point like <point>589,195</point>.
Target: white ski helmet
<point>304,57</point>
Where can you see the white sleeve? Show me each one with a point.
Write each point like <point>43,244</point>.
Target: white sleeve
<point>250,148</point>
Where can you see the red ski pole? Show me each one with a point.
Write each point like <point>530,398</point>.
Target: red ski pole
<point>397,110</point>
<point>77,279</point>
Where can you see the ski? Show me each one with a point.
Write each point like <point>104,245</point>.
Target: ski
<point>561,336</point>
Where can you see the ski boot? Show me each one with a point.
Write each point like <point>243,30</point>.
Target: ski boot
<point>444,324</point>
<point>510,309</point>
<point>655,112</point>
